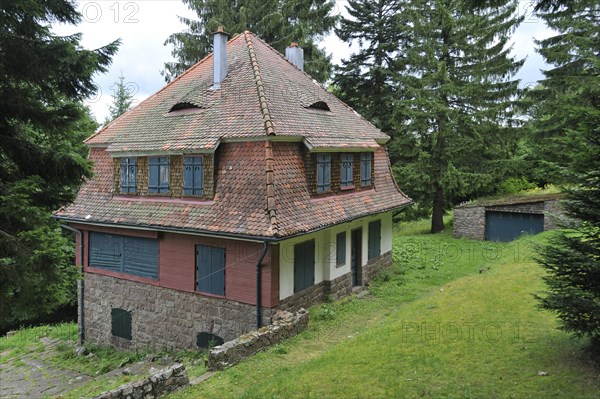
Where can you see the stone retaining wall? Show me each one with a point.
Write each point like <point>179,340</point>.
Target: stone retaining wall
<point>285,325</point>
<point>157,384</point>
<point>161,318</point>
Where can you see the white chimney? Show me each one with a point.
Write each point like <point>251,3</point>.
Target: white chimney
<point>295,55</point>
<point>219,57</point>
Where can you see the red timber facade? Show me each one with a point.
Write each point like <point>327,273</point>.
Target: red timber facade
<point>216,203</point>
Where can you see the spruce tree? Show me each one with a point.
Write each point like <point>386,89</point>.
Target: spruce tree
<point>365,80</point>
<point>122,100</point>
<point>278,22</point>
<point>572,91</point>
<point>458,110</point>
<point>43,79</point>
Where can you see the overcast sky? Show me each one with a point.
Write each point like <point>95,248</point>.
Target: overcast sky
<point>144,25</point>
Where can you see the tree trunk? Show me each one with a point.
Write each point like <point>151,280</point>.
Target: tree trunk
<point>437,218</point>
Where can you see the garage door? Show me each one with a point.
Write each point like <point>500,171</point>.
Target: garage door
<point>507,226</point>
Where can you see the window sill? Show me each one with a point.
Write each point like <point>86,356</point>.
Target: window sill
<point>207,294</point>
<point>121,275</point>
<point>186,200</point>
<point>347,188</point>
<point>338,265</point>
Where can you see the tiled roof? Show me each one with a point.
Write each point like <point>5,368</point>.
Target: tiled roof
<point>261,186</point>
<point>262,90</point>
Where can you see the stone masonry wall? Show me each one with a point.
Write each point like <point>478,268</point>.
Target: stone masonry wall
<point>554,215</point>
<point>161,317</point>
<point>159,383</point>
<point>469,223</point>
<point>285,325</point>
<point>374,267</point>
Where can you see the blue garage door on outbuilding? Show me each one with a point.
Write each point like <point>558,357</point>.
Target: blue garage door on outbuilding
<point>507,226</point>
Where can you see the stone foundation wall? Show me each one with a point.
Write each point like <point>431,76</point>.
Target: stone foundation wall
<point>161,318</point>
<point>155,386</point>
<point>285,325</point>
<point>374,267</point>
<point>469,222</point>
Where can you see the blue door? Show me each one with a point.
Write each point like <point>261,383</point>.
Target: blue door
<point>508,226</point>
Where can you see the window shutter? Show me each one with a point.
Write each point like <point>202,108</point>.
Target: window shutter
<point>140,256</point>
<point>210,270</point>
<point>374,239</point>
<point>105,251</point>
<point>341,249</point>
<point>304,265</point>
<point>153,175</point>
<point>120,323</point>
<point>198,176</point>
<point>188,176</point>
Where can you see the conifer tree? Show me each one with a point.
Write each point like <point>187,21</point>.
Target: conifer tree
<point>459,102</point>
<point>278,22</point>
<point>571,90</point>
<point>43,79</point>
<point>122,100</point>
<point>365,80</point>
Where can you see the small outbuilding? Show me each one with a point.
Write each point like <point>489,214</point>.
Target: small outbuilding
<point>505,219</point>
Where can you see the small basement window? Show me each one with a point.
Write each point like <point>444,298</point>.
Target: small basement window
<point>206,340</point>
<point>120,323</point>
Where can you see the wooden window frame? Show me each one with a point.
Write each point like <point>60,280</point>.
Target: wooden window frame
<point>340,250</point>
<point>161,167</point>
<point>195,162</point>
<point>128,175</point>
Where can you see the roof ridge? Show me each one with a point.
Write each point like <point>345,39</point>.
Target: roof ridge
<point>187,71</point>
<point>269,161</point>
<point>322,87</point>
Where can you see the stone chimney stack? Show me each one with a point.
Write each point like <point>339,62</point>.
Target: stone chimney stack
<point>219,57</point>
<point>295,55</point>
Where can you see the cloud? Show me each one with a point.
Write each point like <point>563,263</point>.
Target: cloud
<point>143,26</point>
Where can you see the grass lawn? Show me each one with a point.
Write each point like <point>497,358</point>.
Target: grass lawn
<point>57,351</point>
<point>453,318</point>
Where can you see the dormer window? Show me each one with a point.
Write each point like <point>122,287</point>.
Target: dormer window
<point>128,175</point>
<point>158,175</point>
<point>323,173</point>
<point>365,169</point>
<point>322,105</point>
<point>192,175</point>
<point>346,169</point>
<point>183,105</point>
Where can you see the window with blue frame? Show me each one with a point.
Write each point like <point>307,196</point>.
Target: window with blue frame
<point>192,175</point>
<point>365,168</point>
<point>323,173</point>
<point>346,170</point>
<point>124,254</point>
<point>158,175</point>
<point>128,175</point>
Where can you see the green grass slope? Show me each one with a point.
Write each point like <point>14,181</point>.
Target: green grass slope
<point>452,318</point>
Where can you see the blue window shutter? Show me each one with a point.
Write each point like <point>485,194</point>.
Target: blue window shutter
<point>153,175</point>
<point>304,265</point>
<point>341,248</point>
<point>210,270</point>
<point>105,251</point>
<point>124,175</point>
<point>140,256</point>
<point>198,178</point>
<point>346,170</point>
<point>192,177</point>
<point>188,176</point>
<point>374,239</point>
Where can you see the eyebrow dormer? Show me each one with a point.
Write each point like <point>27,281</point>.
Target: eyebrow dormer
<point>322,105</point>
<point>184,106</point>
